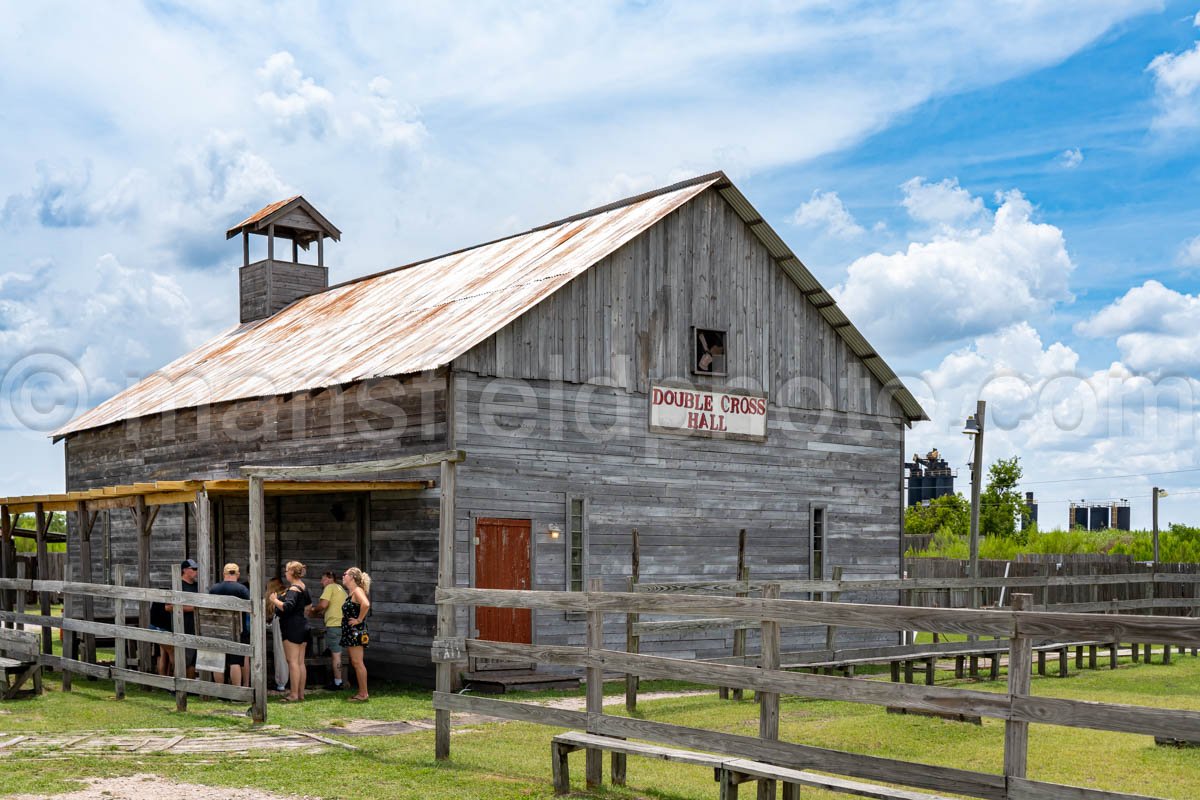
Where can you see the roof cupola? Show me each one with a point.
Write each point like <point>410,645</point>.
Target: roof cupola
<point>269,285</point>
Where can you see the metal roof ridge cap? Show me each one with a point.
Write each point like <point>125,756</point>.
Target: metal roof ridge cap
<point>712,176</point>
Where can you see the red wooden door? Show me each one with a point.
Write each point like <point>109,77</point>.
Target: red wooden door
<point>502,562</point>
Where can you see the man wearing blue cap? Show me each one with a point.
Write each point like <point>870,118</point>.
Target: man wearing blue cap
<point>188,570</point>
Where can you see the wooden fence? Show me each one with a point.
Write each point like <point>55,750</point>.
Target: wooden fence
<point>78,635</point>
<point>1016,707</point>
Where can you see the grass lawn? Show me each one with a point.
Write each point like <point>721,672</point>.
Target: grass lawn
<point>512,760</point>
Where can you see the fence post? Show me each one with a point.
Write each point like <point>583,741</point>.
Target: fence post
<point>258,616</point>
<point>118,579</point>
<point>68,637</point>
<point>768,710</point>
<point>1020,662</point>
<point>447,614</point>
<point>739,633</point>
<point>20,598</point>
<point>831,630</point>
<point>595,682</point>
<point>178,626</point>
<point>632,641</point>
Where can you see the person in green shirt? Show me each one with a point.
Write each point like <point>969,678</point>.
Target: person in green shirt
<point>330,605</point>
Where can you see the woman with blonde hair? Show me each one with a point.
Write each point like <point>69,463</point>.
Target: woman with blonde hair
<point>354,626</point>
<point>293,626</point>
<point>274,587</point>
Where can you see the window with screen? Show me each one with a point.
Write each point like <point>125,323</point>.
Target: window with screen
<point>816,562</point>
<point>575,544</point>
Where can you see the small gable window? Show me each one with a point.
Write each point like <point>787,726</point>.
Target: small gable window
<point>709,352</point>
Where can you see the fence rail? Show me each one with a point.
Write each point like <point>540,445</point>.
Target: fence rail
<point>122,633</point>
<point>1017,708</point>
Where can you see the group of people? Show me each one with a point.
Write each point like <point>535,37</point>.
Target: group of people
<point>344,609</point>
<point>288,606</point>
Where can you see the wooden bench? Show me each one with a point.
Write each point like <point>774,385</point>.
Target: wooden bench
<point>566,743</point>
<point>729,772</point>
<point>19,662</point>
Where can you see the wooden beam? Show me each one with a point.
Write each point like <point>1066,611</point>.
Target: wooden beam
<point>356,468</point>
<point>242,485</point>
<point>177,486</point>
<point>107,503</point>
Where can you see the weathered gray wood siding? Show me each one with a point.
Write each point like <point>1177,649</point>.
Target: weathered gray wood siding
<point>627,321</point>
<point>532,445</point>
<point>266,287</point>
<point>359,422</point>
<point>555,406</point>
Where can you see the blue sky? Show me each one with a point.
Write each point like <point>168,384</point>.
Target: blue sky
<point>1002,195</point>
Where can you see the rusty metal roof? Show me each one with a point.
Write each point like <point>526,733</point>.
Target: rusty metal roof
<point>267,214</point>
<point>424,315</point>
<point>263,212</point>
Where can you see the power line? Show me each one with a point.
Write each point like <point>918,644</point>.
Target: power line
<point>1111,477</point>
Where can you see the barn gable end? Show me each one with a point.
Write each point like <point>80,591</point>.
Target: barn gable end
<point>627,322</point>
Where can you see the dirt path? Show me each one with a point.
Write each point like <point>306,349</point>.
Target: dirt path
<point>155,787</point>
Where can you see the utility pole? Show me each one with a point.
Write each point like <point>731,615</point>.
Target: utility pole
<point>1154,495</point>
<point>974,427</point>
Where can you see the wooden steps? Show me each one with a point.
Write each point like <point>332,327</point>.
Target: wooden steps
<point>501,681</point>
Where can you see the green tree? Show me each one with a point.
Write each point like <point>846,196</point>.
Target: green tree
<point>950,512</point>
<point>1000,505</point>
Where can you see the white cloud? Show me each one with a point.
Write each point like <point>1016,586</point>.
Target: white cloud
<point>63,196</point>
<point>388,122</point>
<point>1070,159</point>
<point>825,211</point>
<point>1177,88</point>
<point>944,206</point>
<point>1063,421</point>
<point>64,348</point>
<point>213,186</point>
<point>1157,329</point>
<point>1189,253</point>
<point>982,271</point>
<point>293,101</point>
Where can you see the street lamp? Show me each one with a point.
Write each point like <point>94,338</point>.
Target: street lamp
<point>1154,495</point>
<point>974,428</point>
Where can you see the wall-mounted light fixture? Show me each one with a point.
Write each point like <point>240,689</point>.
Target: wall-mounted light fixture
<point>554,530</point>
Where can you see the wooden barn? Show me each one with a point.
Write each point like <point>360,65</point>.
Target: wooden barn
<point>663,363</point>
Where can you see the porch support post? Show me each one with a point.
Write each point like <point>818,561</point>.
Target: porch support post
<point>7,561</point>
<point>86,522</point>
<point>258,626</point>
<point>42,524</point>
<point>142,522</point>
<point>446,622</point>
<point>204,554</point>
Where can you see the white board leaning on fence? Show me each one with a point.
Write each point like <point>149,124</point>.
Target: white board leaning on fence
<point>704,413</point>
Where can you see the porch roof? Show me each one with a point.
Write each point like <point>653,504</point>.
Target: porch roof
<point>157,493</point>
